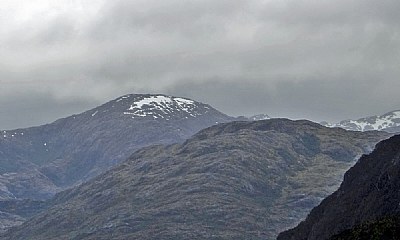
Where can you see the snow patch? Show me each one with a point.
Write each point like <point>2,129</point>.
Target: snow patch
<point>153,100</point>
<point>185,101</point>
<point>259,117</point>
<point>379,122</point>
<point>122,98</point>
<point>160,106</point>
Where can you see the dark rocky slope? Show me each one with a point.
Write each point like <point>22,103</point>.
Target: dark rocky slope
<point>368,194</point>
<point>387,228</point>
<point>240,180</point>
<point>37,162</point>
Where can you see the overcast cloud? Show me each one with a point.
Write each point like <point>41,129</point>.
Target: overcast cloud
<point>321,60</point>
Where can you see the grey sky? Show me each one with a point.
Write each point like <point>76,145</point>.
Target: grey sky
<point>321,60</point>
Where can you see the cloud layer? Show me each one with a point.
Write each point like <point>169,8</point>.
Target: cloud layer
<point>322,60</point>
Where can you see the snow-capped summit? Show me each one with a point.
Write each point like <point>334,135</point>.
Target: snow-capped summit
<point>259,117</point>
<point>389,122</point>
<point>161,106</point>
<point>154,107</point>
<point>38,162</point>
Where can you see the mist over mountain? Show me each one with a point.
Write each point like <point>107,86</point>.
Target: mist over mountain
<point>163,164</point>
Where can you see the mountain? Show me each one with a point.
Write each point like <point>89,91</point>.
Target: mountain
<point>367,199</point>
<point>37,162</point>
<point>389,122</point>
<point>238,180</point>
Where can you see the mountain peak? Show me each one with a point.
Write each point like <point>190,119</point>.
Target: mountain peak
<point>136,120</point>
<point>158,107</point>
<point>387,122</point>
<point>162,106</point>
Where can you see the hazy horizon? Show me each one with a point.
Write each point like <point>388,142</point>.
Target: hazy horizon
<point>299,59</point>
<point>69,112</point>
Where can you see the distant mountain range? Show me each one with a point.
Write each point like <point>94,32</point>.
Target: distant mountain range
<point>366,206</point>
<point>37,162</point>
<point>389,122</point>
<point>265,173</point>
<point>239,180</point>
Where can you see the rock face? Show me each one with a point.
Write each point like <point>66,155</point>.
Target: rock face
<point>389,122</point>
<point>37,162</point>
<point>368,194</point>
<point>387,228</point>
<point>239,180</point>
<point>14,212</point>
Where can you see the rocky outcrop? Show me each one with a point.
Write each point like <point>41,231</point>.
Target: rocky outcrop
<point>369,192</point>
<point>387,228</point>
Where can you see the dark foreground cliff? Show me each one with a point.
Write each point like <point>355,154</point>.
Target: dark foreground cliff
<point>367,204</point>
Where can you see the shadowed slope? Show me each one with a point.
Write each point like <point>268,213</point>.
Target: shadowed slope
<point>369,192</point>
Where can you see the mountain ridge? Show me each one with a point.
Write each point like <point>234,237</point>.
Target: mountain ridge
<point>232,180</point>
<point>389,122</point>
<point>39,161</point>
